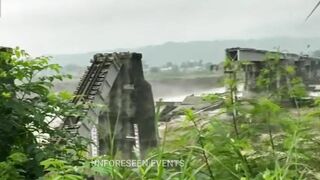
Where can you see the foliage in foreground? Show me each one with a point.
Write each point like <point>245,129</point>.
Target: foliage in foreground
<point>27,110</point>
<point>258,138</point>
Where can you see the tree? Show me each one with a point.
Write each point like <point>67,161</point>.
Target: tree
<point>27,109</point>
<point>316,53</point>
<point>154,69</point>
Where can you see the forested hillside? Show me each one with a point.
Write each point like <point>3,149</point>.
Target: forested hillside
<point>208,51</point>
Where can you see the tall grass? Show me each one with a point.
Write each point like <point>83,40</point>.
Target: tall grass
<point>257,138</point>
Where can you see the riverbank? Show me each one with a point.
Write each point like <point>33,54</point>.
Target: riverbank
<point>178,87</point>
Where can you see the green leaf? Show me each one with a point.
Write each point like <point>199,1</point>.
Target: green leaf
<point>65,95</point>
<point>17,158</point>
<point>6,94</point>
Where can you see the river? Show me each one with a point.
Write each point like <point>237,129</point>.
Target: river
<point>181,96</point>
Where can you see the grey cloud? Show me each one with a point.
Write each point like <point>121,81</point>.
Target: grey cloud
<point>69,26</point>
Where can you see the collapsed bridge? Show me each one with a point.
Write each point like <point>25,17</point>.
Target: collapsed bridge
<point>308,68</point>
<point>124,116</point>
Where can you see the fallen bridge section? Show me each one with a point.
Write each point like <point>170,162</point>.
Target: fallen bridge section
<point>123,116</point>
<point>308,68</point>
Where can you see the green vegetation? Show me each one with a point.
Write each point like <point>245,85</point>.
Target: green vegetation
<point>186,70</point>
<point>259,138</point>
<point>27,108</point>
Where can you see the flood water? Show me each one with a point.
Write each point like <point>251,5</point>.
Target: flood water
<point>180,97</point>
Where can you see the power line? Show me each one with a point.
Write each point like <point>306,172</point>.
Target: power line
<point>313,10</point>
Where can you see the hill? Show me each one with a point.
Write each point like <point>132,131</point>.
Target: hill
<point>208,51</point>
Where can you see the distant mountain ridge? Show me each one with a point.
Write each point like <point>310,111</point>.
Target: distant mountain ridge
<point>208,51</point>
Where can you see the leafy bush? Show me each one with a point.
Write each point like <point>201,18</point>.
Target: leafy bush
<point>256,138</point>
<point>27,110</point>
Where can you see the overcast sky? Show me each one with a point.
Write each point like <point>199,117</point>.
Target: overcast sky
<point>73,26</point>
